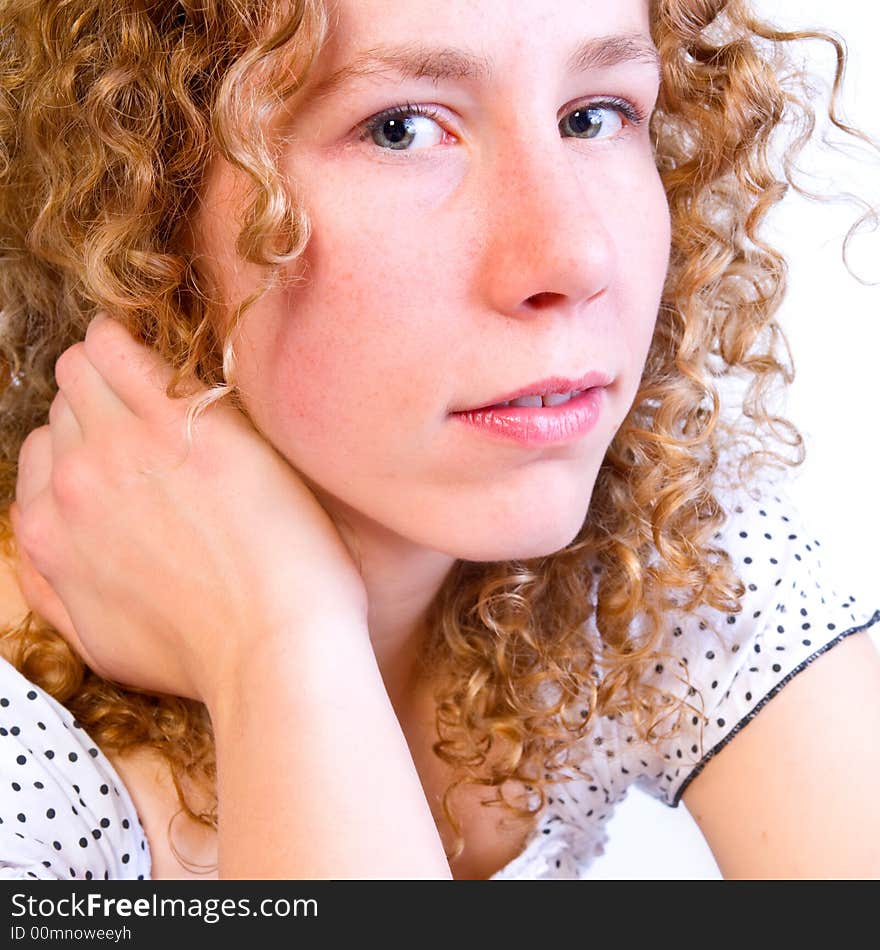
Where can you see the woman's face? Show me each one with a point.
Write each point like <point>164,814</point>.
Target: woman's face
<point>454,259</point>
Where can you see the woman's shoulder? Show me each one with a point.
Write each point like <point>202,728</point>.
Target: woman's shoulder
<point>64,812</point>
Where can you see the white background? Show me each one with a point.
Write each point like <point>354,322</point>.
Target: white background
<point>833,325</point>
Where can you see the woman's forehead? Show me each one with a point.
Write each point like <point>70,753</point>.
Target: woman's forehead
<point>466,40</point>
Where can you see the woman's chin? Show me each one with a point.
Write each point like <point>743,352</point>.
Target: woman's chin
<point>518,543</point>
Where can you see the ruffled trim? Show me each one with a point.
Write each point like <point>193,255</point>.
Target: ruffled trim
<point>562,855</point>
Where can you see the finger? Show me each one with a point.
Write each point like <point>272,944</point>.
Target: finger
<point>136,373</point>
<point>65,429</point>
<point>39,594</point>
<point>34,466</point>
<point>87,394</point>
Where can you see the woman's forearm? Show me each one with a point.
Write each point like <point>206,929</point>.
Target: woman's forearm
<point>315,778</point>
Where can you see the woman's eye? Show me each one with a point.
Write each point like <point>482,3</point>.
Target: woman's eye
<point>409,128</point>
<point>589,121</point>
<point>398,128</point>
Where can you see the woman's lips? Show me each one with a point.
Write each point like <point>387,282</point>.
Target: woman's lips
<point>553,384</point>
<point>539,425</point>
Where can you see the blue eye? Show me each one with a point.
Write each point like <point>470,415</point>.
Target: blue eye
<point>397,128</point>
<point>586,121</point>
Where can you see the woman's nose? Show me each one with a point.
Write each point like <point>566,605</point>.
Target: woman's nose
<point>547,240</point>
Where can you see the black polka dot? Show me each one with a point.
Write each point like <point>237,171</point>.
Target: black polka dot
<point>31,694</point>
<point>21,759</point>
<point>50,812</point>
<point>16,787</point>
<point>83,842</point>
<point>4,702</point>
<point>104,790</point>
<point>56,845</point>
<point>50,754</point>
<point>21,816</point>
<point>776,667</point>
<point>72,756</point>
<point>105,822</point>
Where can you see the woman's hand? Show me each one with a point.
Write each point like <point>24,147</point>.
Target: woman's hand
<point>159,567</point>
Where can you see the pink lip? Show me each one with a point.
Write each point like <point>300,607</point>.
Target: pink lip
<point>555,384</point>
<point>537,426</point>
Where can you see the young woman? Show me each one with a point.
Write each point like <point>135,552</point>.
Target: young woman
<point>289,592</point>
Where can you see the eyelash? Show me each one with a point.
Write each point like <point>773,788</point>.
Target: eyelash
<point>634,115</point>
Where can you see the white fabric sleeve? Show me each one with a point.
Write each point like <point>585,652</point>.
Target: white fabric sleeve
<point>64,812</point>
<point>794,611</point>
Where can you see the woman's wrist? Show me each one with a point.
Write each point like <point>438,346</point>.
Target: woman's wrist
<point>307,650</point>
<point>315,778</point>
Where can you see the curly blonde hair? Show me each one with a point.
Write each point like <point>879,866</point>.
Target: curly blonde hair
<point>110,111</point>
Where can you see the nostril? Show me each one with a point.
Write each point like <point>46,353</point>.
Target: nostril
<point>545,299</point>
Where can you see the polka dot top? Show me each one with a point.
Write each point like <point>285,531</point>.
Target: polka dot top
<point>66,814</point>
<point>726,667</point>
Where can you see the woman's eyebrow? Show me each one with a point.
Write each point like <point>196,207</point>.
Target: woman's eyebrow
<point>416,61</point>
